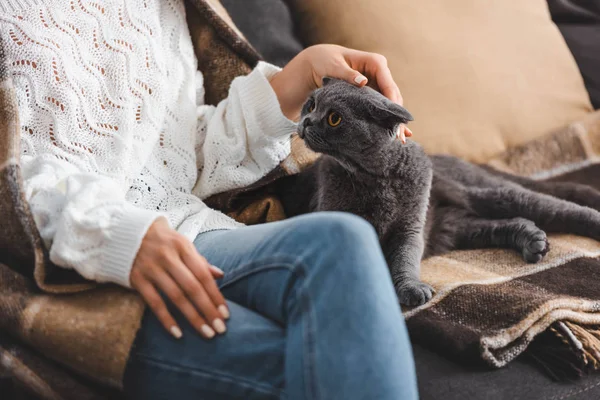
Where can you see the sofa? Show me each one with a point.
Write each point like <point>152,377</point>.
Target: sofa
<point>277,29</point>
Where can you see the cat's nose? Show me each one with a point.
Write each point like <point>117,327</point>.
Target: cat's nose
<point>305,124</point>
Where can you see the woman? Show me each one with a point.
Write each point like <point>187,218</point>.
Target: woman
<point>117,153</point>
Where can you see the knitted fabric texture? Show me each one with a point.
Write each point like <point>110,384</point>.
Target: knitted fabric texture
<point>114,133</point>
<point>54,338</point>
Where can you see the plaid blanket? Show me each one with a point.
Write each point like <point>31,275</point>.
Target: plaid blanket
<point>490,304</point>
<point>64,338</point>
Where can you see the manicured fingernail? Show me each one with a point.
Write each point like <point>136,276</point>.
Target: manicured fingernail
<point>360,79</point>
<point>217,269</point>
<point>219,325</point>
<point>207,331</point>
<point>176,332</point>
<point>224,311</point>
<point>408,132</point>
<point>400,134</point>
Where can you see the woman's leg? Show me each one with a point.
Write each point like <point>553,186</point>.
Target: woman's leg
<point>322,277</point>
<point>246,363</point>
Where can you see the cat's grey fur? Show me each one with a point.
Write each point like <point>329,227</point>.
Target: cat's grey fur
<point>419,205</point>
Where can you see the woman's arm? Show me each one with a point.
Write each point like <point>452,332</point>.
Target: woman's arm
<point>84,219</point>
<point>88,226</point>
<point>244,137</point>
<point>247,134</point>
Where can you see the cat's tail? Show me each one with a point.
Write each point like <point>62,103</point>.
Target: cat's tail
<point>571,191</point>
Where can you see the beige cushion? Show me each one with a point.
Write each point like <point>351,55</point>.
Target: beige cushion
<point>479,76</point>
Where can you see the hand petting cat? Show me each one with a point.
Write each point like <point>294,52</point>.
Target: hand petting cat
<point>305,73</point>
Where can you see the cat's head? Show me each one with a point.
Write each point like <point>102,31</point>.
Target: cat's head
<point>348,122</point>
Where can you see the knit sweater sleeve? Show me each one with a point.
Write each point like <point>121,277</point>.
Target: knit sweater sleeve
<point>84,219</point>
<point>244,137</point>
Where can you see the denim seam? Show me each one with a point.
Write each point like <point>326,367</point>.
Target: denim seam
<point>297,267</point>
<point>271,262</point>
<point>309,338</point>
<point>245,383</point>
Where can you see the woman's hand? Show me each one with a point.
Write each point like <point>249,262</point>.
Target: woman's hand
<point>168,263</point>
<point>305,73</point>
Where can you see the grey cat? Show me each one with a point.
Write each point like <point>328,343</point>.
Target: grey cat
<point>422,206</point>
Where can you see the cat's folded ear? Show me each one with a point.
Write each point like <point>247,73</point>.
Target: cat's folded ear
<point>389,113</point>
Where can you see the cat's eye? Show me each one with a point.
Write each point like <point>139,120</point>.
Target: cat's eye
<point>311,107</point>
<point>334,119</point>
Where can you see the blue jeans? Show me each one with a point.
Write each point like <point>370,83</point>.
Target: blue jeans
<point>313,316</point>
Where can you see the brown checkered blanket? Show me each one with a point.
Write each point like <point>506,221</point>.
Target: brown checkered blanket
<point>56,329</point>
<point>491,305</point>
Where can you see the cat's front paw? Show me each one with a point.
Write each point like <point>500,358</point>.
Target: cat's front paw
<point>414,293</point>
<point>536,246</point>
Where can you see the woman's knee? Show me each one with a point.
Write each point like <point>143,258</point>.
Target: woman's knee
<point>343,254</point>
<point>338,229</point>
<point>341,239</point>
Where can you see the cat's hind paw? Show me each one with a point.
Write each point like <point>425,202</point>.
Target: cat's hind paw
<point>414,293</point>
<point>536,247</point>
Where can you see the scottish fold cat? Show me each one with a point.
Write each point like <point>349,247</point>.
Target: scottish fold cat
<point>419,205</point>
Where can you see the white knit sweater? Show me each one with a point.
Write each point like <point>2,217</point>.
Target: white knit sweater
<point>114,133</point>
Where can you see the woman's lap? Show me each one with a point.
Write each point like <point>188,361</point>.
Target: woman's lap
<point>269,281</point>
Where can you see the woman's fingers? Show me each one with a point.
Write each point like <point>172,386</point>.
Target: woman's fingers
<point>173,291</point>
<point>159,308</point>
<point>195,291</point>
<point>385,82</point>
<point>159,269</point>
<point>350,75</point>
<point>216,272</point>
<point>375,67</point>
<point>201,270</point>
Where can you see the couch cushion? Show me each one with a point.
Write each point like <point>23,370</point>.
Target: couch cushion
<point>479,76</point>
<point>579,22</point>
<point>268,26</point>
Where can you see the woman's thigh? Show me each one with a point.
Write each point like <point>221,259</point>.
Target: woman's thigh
<point>288,284</point>
<point>245,363</point>
<point>323,276</point>
<point>264,264</point>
